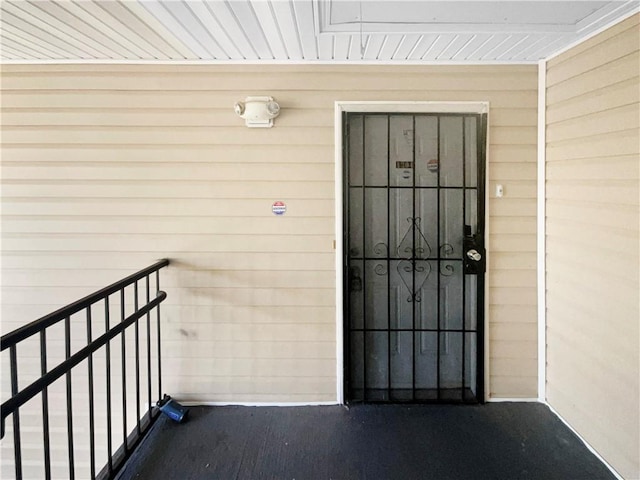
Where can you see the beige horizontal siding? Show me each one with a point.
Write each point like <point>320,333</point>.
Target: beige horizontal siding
<point>108,168</point>
<point>592,227</point>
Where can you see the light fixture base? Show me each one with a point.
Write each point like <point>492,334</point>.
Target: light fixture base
<point>258,112</point>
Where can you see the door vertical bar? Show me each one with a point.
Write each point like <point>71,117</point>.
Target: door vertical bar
<point>388,258</point>
<point>438,262</point>
<point>346,248</point>
<point>364,261</point>
<point>464,278</point>
<point>413,263</point>
<point>481,140</point>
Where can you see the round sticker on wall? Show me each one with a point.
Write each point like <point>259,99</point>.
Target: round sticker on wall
<point>432,165</point>
<point>278,208</point>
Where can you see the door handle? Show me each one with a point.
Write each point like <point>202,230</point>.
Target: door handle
<point>474,255</point>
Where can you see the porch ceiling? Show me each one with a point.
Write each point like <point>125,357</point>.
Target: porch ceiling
<point>297,30</point>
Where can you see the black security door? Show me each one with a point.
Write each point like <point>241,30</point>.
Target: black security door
<point>414,257</point>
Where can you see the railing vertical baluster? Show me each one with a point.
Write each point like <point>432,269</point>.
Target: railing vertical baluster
<point>137,348</point>
<point>45,406</point>
<point>108,355</point>
<point>148,291</point>
<point>49,374</point>
<point>159,356</point>
<point>92,431</point>
<point>124,374</point>
<point>17,450</point>
<point>67,355</point>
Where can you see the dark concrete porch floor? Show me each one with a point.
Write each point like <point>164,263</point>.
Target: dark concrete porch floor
<point>439,442</point>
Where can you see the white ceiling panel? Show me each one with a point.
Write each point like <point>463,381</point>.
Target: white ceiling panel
<point>341,46</point>
<point>252,29</point>
<point>271,29</point>
<point>386,31</point>
<point>406,46</point>
<point>134,21</point>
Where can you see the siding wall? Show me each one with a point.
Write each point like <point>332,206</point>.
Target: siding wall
<point>592,183</point>
<point>107,168</point>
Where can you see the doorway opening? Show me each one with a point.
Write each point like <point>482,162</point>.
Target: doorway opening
<point>413,256</point>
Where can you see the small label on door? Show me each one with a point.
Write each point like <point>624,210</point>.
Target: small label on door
<point>404,164</point>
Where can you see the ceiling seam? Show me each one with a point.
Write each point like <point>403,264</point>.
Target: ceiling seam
<point>112,54</point>
<point>264,35</point>
<point>28,42</point>
<point>152,30</point>
<point>235,17</point>
<point>417,44</point>
<point>224,31</point>
<point>384,42</point>
<point>35,29</point>
<point>186,30</point>
<point>444,50</point>
<point>80,5</point>
<point>538,53</point>
<point>95,29</point>
<point>206,30</point>
<point>468,42</point>
<point>501,56</point>
<point>295,23</point>
<point>316,33</point>
<point>277,24</point>
<point>489,37</point>
<point>366,47</point>
<point>38,41</point>
<point>333,47</point>
<point>431,46</point>
<point>496,47</point>
<point>18,48</point>
<point>402,40</point>
<point>530,47</point>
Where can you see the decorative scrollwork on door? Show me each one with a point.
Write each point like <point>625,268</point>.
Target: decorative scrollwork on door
<point>414,274</point>
<point>407,249</point>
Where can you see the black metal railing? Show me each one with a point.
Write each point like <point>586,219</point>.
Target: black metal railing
<point>87,353</point>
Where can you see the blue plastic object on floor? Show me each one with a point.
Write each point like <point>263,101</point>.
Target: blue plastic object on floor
<point>172,409</point>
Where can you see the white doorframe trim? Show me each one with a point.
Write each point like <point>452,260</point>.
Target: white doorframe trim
<point>394,107</point>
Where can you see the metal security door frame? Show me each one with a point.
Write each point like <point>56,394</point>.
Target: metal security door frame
<point>396,107</point>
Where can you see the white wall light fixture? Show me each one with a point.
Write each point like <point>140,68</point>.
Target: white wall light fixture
<point>258,112</point>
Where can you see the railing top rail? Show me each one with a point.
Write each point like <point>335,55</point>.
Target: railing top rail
<point>36,326</point>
